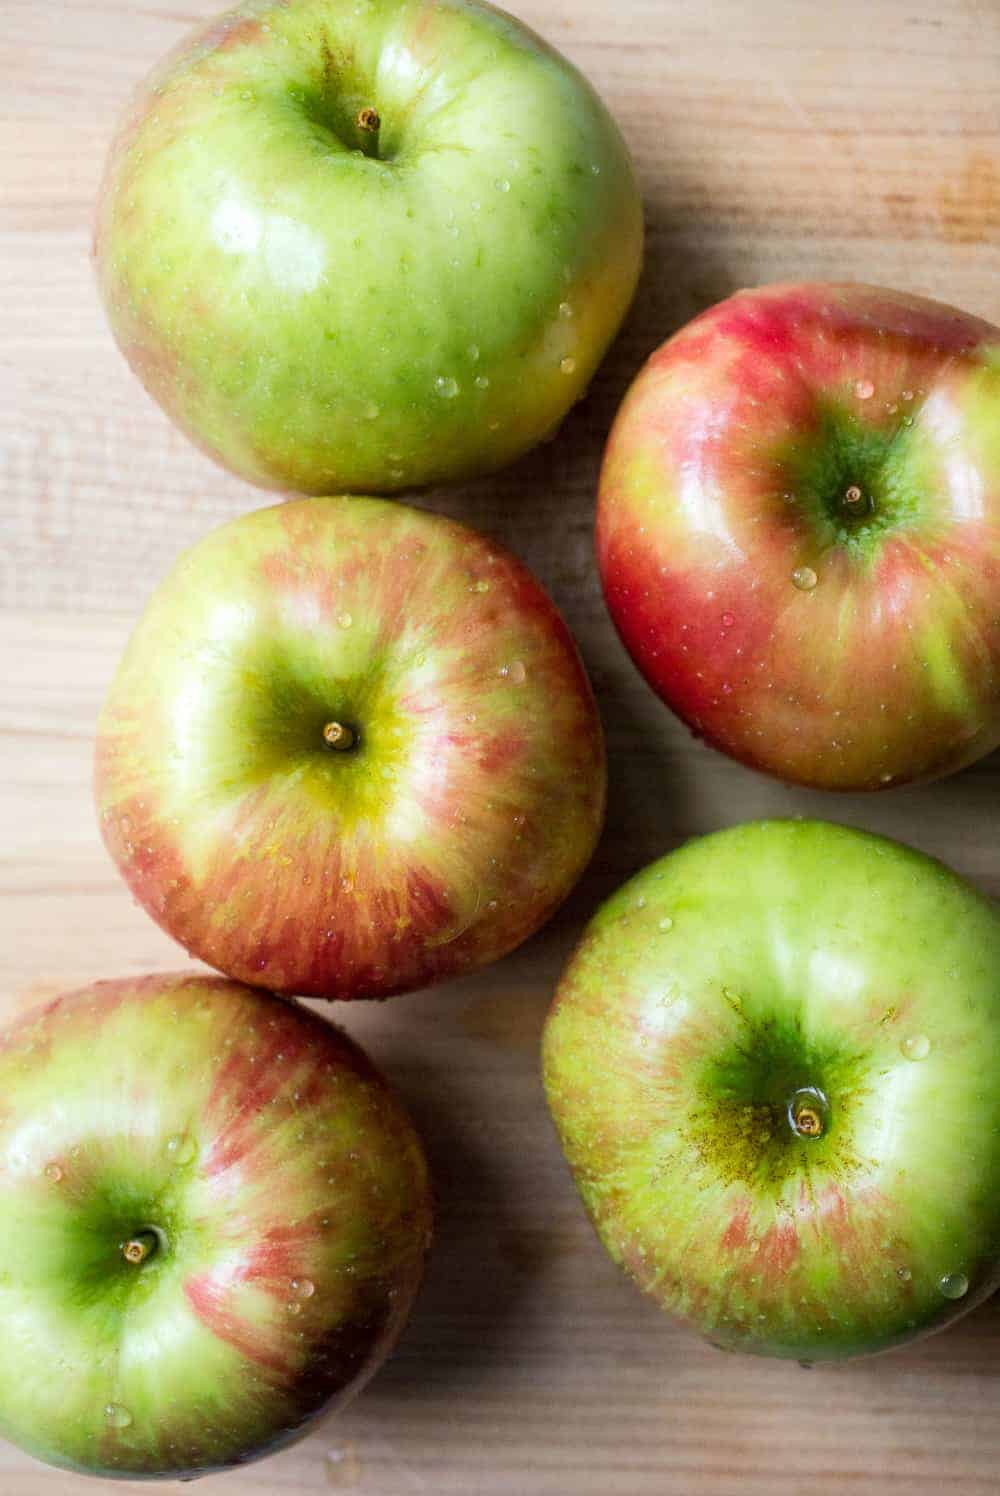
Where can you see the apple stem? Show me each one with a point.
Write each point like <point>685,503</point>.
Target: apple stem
<point>336,735</point>
<point>139,1247</point>
<point>369,123</point>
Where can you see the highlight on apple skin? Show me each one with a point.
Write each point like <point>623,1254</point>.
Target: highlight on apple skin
<point>365,248</point>
<point>773,1064</point>
<point>215,1219</point>
<point>351,750</point>
<point>799,533</point>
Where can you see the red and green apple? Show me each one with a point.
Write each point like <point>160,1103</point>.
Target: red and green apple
<point>366,247</point>
<point>773,1064</point>
<point>799,532</point>
<point>350,750</point>
<point>215,1218</point>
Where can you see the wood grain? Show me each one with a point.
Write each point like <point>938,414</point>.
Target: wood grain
<point>782,139</point>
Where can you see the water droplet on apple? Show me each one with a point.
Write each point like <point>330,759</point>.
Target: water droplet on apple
<point>907,395</point>
<point>565,310</point>
<point>481,382</point>
<point>665,924</point>
<point>347,884</point>
<point>53,1172</point>
<point>474,352</point>
<point>864,389</point>
<point>954,1285</point>
<point>446,387</point>
<point>494,425</point>
<point>903,1274</point>
<point>501,184</point>
<point>515,672</point>
<point>907,421</point>
<point>804,578</point>
<point>345,620</point>
<point>293,1307</point>
<point>117,1416</point>
<point>808,1112</point>
<point>567,365</point>
<point>303,1288</point>
<point>595,169</point>
<point>371,411</point>
<point>481,586</point>
<point>728,619</point>
<point>181,1148</point>
<point>493,905</point>
<point>915,1047</point>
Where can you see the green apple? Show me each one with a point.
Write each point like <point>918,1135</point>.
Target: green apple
<point>350,750</point>
<point>774,1063</point>
<point>365,245</point>
<point>215,1217</point>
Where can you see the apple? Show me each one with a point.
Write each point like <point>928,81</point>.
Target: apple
<point>215,1218</point>
<point>773,1063</point>
<point>366,247</point>
<point>799,532</point>
<point>350,750</point>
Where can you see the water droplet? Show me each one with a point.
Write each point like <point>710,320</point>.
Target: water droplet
<point>595,169</point>
<point>53,1172</point>
<point>953,1285</point>
<point>501,184</point>
<point>907,395</point>
<point>371,411</point>
<point>903,1274</point>
<point>446,387</point>
<point>117,1416</point>
<point>293,1307</point>
<point>343,1468</point>
<point>804,578</point>
<point>345,620</point>
<point>732,997</point>
<point>915,1047</point>
<point>347,884</point>
<point>907,421</point>
<point>864,389</point>
<point>481,382</point>
<point>303,1288</point>
<point>808,1112</point>
<point>665,924</point>
<point>515,672</point>
<point>885,778</point>
<point>728,619</point>
<point>181,1148</point>
<point>565,310</point>
<point>474,352</point>
<point>481,586</point>
<point>567,365</point>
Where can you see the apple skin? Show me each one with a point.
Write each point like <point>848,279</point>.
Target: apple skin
<point>727,475</point>
<point>744,968</point>
<point>324,320</point>
<point>291,1198</point>
<point>466,810</point>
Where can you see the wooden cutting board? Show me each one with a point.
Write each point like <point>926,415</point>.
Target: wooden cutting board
<point>855,139</point>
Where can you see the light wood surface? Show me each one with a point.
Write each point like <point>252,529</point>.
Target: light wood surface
<point>775,139</point>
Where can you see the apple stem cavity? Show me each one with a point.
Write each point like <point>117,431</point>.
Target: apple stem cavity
<point>369,123</point>
<point>140,1247</point>
<point>338,736</point>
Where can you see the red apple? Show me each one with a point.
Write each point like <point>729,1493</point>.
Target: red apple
<point>215,1217</point>
<point>799,532</point>
<point>350,750</point>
